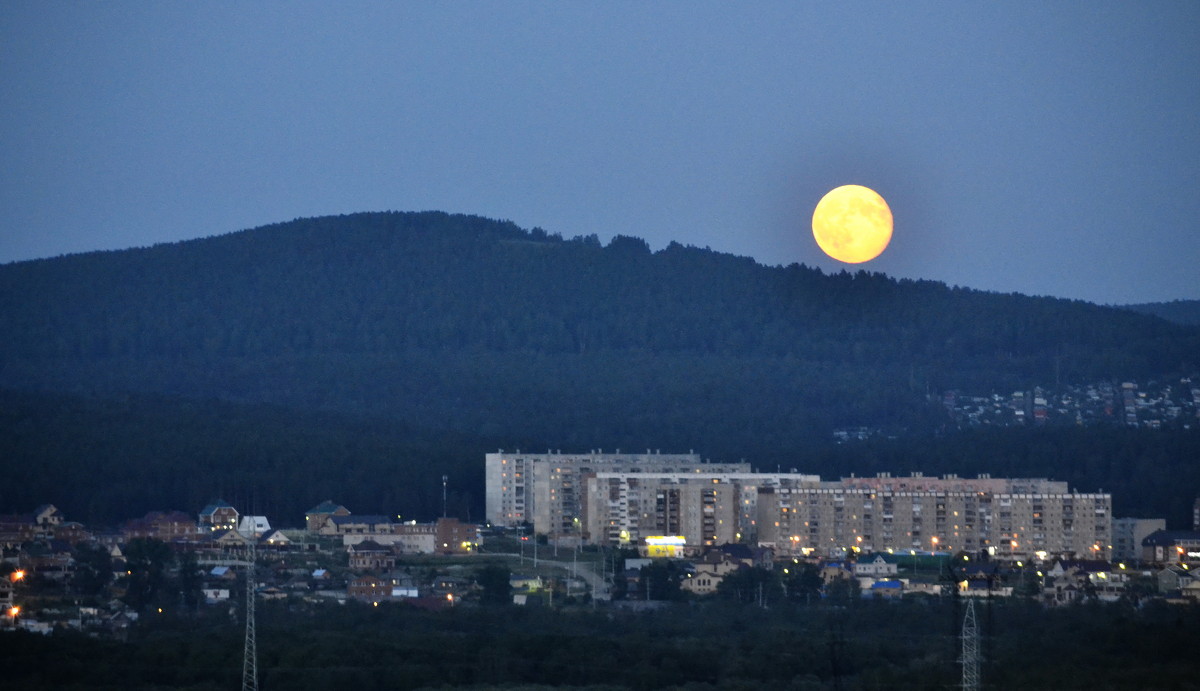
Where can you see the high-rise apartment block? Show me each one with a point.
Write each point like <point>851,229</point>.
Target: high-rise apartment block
<point>619,498</point>
<point>548,490</point>
<point>1014,518</point>
<point>705,507</point>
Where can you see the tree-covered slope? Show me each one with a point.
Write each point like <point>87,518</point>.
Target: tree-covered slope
<point>353,311</point>
<point>1178,311</point>
<point>361,357</point>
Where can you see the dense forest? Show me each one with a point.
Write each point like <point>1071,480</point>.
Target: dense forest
<point>714,646</point>
<point>1178,311</point>
<point>364,356</point>
<point>104,460</point>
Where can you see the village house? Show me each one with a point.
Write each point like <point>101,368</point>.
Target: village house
<point>254,526</point>
<point>710,570</point>
<point>369,588</point>
<point>349,526</point>
<point>219,515</point>
<point>168,526</point>
<point>1071,580</point>
<point>316,517</point>
<point>1174,578</point>
<point>455,537</point>
<point>53,560</point>
<point>39,525</point>
<point>875,567</point>
<point>370,555</point>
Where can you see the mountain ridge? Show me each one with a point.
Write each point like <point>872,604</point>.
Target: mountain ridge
<point>471,331</point>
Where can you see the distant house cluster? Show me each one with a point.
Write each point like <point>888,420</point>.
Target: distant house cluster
<point>1153,405</point>
<point>336,555</point>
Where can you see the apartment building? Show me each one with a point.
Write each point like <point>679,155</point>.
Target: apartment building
<point>704,507</point>
<point>1128,534</point>
<point>1009,517</point>
<point>548,490</point>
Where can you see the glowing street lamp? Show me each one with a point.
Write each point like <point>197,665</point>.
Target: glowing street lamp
<point>17,575</point>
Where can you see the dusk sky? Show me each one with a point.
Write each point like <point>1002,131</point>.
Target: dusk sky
<point>1032,147</point>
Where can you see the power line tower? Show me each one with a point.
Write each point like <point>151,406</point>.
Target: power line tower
<point>970,649</point>
<point>250,653</point>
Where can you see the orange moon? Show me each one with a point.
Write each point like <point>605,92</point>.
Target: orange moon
<point>852,224</point>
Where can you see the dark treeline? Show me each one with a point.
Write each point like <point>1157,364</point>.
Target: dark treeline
<point>104,460</point>
<point>1178,311</point>
<point>861,645</point>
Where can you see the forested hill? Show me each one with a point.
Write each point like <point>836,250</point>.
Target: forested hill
<point>469,324</point>
<point>1178,311</point>
<point>422,340</point>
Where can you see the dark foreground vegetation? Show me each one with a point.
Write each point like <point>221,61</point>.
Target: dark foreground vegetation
<point>911,644</point>
<point>104,461</point>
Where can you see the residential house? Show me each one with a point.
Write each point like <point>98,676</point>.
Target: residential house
<point>72,532</point>
<point>274,538</point>
<point>888,589</point>
<point>18,528</point>
<point>451,536</point>
<point>48,516</point>
<point>53,560</point>
<point>352,525</point>
<point>370,555</point>
<point>875,567</point>
<point>1175,578</point>
<point>254,526</point>
<point>316,517</point>
<point>369,588</point>
<point>835,570</point>
<point>1070,580</point>
<point>219,515</point>
<point>711,568</point>
<point>168,526</point>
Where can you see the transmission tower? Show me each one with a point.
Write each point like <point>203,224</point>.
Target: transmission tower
<point>250,654</point>
<point>970,649</point>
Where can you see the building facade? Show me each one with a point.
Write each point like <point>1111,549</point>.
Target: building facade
<point>548,490</point>
<point>1128,534</point>
<point>706,508</point>
<point>1010,518</point>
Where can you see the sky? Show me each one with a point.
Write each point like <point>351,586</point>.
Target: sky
<point>1030,147</point>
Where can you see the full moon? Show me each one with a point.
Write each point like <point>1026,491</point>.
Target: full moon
<point>852,224</point>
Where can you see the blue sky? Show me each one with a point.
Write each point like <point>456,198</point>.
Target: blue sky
<point>1031,147</point>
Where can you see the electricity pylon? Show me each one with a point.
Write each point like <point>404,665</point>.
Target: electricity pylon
<point>250,653</point>
<point>970,649</point>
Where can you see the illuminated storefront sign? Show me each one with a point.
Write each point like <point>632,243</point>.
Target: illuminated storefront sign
<point>668,546</point>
